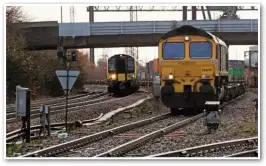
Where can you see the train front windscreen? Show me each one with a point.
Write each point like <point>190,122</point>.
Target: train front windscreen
<point>121,64</point>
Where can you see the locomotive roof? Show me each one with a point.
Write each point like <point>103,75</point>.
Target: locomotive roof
<point>190,30</point>
<point>138,61</point>
<point>119,55</point>
<point>123,55</point>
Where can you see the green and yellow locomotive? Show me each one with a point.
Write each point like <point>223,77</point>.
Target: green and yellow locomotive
<point>123,74</point>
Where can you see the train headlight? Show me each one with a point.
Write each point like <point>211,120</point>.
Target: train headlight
<point>130,76</point>
<point>170,76</point>
<point>186,38</point>
<point>113,76</point>
<point>205,76</point>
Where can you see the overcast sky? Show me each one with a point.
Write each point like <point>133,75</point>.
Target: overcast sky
<point>52,13</point>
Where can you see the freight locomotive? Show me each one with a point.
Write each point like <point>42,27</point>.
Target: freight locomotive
<point>193,65</point>
<point>123,74</point>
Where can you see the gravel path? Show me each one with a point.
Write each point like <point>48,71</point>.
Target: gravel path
<point>237,122</point>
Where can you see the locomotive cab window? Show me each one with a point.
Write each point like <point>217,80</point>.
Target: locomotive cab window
<point>111,65</point>
<point>173,51</point>
<point>200,50</point>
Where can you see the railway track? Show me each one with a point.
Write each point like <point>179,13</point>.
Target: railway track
<point>55,102</point>
<point>118,139</point>
<point>248,153</point>
<point>127,147</point>
<point>10,113</point>
<point>11,107</point>
<point>77,112</point>
<point>194,134</point>
<point>81,142</point>
<point>35,113</point>
<point>19,133</point>
<point>124,148</point>
<point>218,148</point>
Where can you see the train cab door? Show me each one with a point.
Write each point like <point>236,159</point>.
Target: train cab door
<point>121,70</point>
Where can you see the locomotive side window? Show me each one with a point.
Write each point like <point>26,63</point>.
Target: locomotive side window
<point>200,50</point>
<point>111,65</point>
<point>173,50</point>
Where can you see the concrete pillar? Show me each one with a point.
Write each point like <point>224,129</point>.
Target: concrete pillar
<point>194,13</point>
<point>184,12</point>
<point>91,19</point>
<point>92,55</point>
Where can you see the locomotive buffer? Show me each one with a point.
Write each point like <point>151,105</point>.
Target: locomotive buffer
<point>212,115</point>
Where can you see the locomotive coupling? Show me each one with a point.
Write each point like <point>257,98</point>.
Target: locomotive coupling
<point>212,115</point>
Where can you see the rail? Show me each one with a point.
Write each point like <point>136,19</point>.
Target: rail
<point>208,148</point>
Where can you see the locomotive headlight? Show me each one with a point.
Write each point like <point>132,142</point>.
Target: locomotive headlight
<point>113,76</point>
<point>170,76</point>
<point>131,76</point>
<point>186,38</point>
<point>205,76</point>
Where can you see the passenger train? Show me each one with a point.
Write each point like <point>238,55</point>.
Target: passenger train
<point>123,74</point>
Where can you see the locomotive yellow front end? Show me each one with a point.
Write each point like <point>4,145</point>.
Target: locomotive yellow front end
<point>188,67</point>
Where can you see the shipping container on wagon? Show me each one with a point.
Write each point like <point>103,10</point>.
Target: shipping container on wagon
<point>236,70</point>
<point>251,77</point>
<point>156,65</point>
<point>149,70</point>
<point>142,77</point>
<point>151,67</point>
<point>251,57</point>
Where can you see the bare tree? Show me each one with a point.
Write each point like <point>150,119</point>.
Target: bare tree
<point>14,14</point>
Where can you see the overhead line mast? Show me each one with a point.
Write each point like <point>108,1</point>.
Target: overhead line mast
<point>72,14</point>
<point>134,17</point>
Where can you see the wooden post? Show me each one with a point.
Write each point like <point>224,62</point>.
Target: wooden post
<point>256,110</point>
<point>28,116</point>
<point>48,121</point>
<point>43,117</point>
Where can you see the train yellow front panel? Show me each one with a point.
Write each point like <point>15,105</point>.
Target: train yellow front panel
<point>187,71</point>
<point>121,77</point>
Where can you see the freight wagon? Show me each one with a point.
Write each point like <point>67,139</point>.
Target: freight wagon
<point>236,70</point>
<point>251,65</point>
